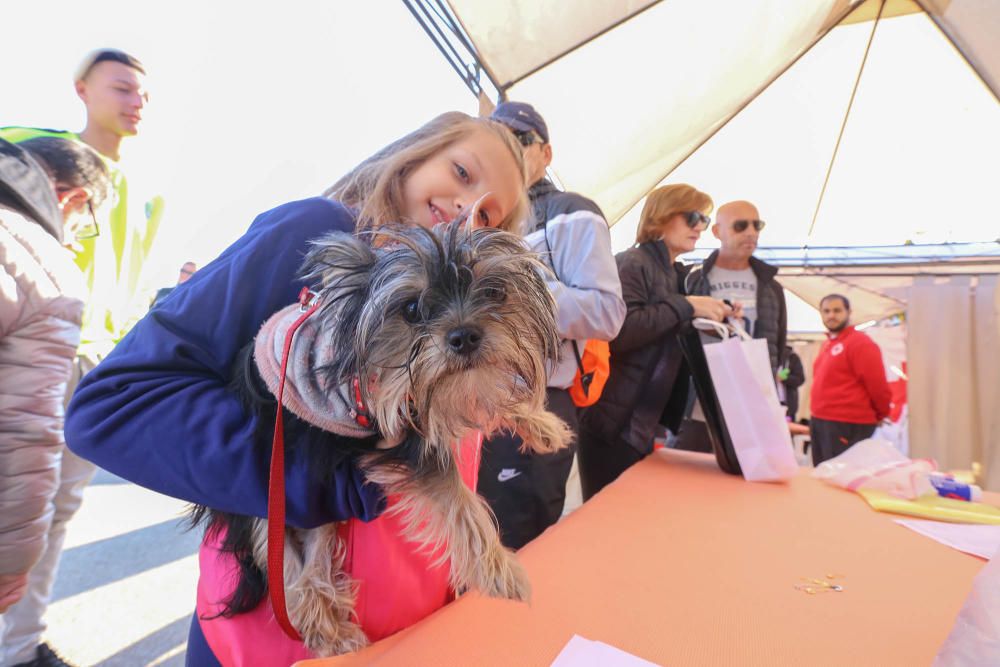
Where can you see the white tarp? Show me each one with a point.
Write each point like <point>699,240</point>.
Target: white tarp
<point>628,106</point>
<point>749,100</point>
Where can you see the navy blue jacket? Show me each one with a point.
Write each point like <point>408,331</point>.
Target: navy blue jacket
<point>157,410</point>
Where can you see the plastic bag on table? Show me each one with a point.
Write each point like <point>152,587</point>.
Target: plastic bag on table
<point>877,465</point>
<point>890,482</point>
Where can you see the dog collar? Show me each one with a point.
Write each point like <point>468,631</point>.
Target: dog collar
<point>360,414</point>
<point>339,409</point>
<point>307,300</point>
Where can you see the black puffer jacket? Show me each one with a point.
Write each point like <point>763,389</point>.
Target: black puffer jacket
<point>646,360</point>
<point>772,314</point>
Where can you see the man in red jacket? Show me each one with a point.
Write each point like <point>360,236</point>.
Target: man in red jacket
<point>850,394</point>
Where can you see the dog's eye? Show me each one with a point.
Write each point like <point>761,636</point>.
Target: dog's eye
<point>497,294</point>
<point>411,311</point>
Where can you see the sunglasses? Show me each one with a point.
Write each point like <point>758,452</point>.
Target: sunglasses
<point>528,138</point>
<point>697,220</point>
<point>740,226</point>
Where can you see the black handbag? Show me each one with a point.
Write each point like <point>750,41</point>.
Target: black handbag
<point>722,444</point>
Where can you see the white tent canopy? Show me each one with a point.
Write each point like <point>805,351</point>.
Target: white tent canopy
<point>849,123</point>
<point>638,92</point>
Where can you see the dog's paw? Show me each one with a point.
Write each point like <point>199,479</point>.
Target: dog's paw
<point>543,433</point>
<point>506,578</point>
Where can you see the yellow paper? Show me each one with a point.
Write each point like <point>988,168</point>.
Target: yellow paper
<point>933,507</point>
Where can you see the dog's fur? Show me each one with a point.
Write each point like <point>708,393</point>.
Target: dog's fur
<point>393,303</point>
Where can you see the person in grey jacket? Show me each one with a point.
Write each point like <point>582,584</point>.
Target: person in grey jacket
<point>48,188</point>
<point>527,491</point>
<point>734,274</point>
<point>648,381</point>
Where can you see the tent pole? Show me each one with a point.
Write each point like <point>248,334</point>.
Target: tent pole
<point>447,50</point>
<point>843,124</point>
<point>443,30</point>
<point>458,30</point>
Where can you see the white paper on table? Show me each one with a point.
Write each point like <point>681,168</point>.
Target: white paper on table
<point>976,539</point>
<point>582,652</point>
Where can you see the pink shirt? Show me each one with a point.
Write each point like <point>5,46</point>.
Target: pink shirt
<point>397,586</point>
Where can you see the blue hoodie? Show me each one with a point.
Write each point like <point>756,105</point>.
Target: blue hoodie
<point>157,410</point>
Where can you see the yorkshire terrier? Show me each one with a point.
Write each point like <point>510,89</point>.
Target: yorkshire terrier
<point>433,334</point>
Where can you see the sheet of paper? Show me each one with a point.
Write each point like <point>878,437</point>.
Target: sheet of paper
<point>582,652</point>
<point>978,540</point>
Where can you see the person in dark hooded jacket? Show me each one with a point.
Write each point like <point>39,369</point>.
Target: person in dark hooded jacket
<point>48,188</point>
<point>648,382</point>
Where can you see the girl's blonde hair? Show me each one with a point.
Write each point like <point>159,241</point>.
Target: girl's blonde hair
<point>375,187</point>
<point>663,203</point>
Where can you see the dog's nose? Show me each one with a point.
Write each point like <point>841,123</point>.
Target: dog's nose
<point>465,340</point>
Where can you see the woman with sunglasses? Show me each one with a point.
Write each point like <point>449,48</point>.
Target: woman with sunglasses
<point>646,382</point>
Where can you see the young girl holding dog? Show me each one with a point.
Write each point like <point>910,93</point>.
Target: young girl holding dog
<point>158,412</point>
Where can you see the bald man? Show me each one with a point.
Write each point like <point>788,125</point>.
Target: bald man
<point>733,273</point>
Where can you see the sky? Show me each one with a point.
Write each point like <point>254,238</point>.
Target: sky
<point>252,104</point>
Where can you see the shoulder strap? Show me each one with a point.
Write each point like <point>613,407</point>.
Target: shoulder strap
<point>552,263</point>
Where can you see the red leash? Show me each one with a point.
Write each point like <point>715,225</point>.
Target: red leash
<point>276,485</point>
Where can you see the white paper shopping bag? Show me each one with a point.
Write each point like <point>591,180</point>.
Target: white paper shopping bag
<point>741,374</point>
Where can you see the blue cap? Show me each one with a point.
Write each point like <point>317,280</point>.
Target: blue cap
<point>521,117</point>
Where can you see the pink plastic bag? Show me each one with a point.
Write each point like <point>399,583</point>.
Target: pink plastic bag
<point>744,384</point>
<point>876,464</point>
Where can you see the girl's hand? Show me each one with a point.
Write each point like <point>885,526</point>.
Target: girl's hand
<point>709,308</point>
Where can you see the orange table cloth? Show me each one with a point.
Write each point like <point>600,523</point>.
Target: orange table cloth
<point>681,564</point>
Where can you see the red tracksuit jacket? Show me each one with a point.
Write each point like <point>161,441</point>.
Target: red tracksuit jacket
<point>849,382</point>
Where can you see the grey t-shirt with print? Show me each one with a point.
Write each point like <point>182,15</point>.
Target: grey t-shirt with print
<point>737,286</point>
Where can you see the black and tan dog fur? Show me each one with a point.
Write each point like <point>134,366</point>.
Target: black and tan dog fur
<point>448,331</point>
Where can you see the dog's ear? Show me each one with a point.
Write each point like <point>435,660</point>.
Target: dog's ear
<point>338,267</point>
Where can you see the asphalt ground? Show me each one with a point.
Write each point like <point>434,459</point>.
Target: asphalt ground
<point>125,590</point>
